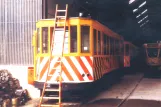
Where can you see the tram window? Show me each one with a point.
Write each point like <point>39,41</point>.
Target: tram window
<point>116,47</point>
<point>126,49</point>
<point>114,43</point>
<point>73,38</point>
<point>38,40</point>
<point>104,44</point>
<point>85,46</point>
<point>51,34</point>
<point>111,46</point>
<point>44,40</point>
<point>99,42</point>
<point>95,41</point>
<point>122,48</point>
<point>107,45</point>
<point>160,53</point>
<point>65,39</point>
<point>152,52</point>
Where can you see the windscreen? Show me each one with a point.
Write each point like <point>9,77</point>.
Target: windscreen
<point>152,52</point>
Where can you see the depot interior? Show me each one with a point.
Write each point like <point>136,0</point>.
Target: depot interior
<point>138,21</point>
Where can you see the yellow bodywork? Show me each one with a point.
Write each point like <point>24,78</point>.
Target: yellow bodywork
<point>77,21</point>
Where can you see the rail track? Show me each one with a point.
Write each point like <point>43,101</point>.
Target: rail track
<point>127,97</point>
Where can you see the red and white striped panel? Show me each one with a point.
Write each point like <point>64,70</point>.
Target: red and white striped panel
<point>73,69</point>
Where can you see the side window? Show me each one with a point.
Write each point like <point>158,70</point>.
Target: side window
<point>95,41</point>
<point>99,42</point>
<point>122,47</point>
<point>105,44</point>
<point>111,46</point>
<point>116,47</point>
<point>108,45</point>
<point>58,39</point>
<point>126,49</point>
<point>38,40</point>
<point>119,47</point>
<point>85,42</point>
<point>73,39</point>
<point>44,40</point>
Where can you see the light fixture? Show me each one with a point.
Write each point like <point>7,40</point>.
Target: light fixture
<point>143,19</point>
<point>142,13</point>
<point>131,1</point>
<point>142,4</point>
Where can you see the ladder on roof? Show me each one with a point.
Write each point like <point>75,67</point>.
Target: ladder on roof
<point>60,18</point>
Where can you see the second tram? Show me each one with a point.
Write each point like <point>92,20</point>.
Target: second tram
<point>153,54</point>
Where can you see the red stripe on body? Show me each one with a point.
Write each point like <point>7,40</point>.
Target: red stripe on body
<point>44,69</point>
<point>84,67</point>
<point>75,69</point>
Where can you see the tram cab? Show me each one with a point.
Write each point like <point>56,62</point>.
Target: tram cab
<point>153,54</point>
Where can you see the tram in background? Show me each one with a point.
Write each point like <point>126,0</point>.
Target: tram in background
<point>153,54</point>
<point>130,52</point>
<point>91,50</point>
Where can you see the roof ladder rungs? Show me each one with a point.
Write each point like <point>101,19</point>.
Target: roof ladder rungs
<point>57,42</point>
<point>51,98</point>
<point>60,16</point>
<point>51,89</point>
<point>61,10</point>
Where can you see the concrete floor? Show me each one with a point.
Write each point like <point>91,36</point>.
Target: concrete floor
<point>146,93</point>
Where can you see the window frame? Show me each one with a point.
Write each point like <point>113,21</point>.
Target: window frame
<point>77,42</point>
<point>82,44</point>
<point>47,51</point>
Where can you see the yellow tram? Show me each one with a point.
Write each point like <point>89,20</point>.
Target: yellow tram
<point>153,54</point>
<point>90,51</point>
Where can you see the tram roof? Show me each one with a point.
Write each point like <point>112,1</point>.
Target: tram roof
<point>85,18</point>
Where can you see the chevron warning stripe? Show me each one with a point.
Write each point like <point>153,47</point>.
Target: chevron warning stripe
<point>75,68</point>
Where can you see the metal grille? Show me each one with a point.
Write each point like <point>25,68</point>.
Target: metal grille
<point>17,23</point>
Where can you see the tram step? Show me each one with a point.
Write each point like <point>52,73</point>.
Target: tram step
<point>51,89</point>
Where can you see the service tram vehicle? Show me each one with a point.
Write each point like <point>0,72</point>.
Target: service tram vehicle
<point>153,54</point>
<point>90,51</point>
